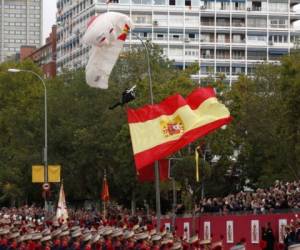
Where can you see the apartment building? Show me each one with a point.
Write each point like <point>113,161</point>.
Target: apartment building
<point>20,24</point>
<point>225,37</point>
<point>44,56</point>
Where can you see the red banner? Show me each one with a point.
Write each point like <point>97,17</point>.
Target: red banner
<point>231,229</point>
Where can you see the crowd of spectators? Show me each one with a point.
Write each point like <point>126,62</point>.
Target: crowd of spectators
<point>277,197</point>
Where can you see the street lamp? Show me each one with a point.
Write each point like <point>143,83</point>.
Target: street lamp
<point>156,165</point>
<point>46,129</point>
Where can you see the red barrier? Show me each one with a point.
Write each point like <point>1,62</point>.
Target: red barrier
<point>232,228</point>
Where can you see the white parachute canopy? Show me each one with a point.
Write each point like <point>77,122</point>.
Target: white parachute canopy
<point>106,34</point>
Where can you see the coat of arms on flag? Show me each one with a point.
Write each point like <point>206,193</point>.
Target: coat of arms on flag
<point>172,127</point>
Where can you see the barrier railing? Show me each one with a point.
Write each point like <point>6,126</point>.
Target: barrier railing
<point>234,226</point>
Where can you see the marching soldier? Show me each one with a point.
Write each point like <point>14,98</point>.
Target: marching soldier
<point>36,238</point>
<point>46,242</point>
<point>3,241</point>
<point>156,242</point>
<point>64,240</point>
<point>128,237</point>
<point>107,240</point>
<point>142,242</point>
<point>21,243</point>
<point>12,241</point>
<point>87,242</point>
<point>96,242</point>
<point>55,239</point>
<point>117,237</point>
<point>76,240</point>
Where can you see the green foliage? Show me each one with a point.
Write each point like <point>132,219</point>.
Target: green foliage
<point>86,138</point>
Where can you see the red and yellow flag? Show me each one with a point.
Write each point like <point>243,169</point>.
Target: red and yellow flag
<point>161,129</point>
<point>105,191</point>
<point>147,174</point>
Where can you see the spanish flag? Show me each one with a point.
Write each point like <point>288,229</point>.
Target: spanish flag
<point>161,129</point>
<point>147,174</point>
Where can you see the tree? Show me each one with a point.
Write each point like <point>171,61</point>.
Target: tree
<point>85,137</point>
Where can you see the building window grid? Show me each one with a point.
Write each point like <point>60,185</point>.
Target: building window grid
<point>234,37</point>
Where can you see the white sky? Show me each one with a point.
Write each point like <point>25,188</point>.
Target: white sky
<point>49,12</point>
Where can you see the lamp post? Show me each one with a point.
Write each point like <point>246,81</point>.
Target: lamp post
<point>156,165</point>
<point>46,128</point>
<point>205,150</point>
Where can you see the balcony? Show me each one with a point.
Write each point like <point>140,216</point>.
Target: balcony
<point>257,57</point>
<point>207,56</point>
<point>238,24</point>
<point>220,40</point>
<point>207,40</point>
<point>275,57</point>
<point>207,23</point>
<point>223,56</point>
<point>278,26</point>
<point>239,8</point>
<point>255,8</point>
<point>224,24</point>
<point>158,38</point>
<point>191,39</point>
<point>238,41</point>
<point>238,57</point>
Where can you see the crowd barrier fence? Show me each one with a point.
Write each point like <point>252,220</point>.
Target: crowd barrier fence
<point>232,228</point>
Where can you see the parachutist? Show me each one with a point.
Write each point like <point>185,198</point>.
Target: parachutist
<point>127,96</point>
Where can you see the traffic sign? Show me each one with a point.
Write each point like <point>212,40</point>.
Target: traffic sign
<point>46,186</point>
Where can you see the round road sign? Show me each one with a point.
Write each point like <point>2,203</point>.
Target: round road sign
<point>46,186</point>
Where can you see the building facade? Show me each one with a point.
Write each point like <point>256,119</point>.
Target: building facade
<point>227,37</point>
<point>20,24</point>
<point>44,56</point>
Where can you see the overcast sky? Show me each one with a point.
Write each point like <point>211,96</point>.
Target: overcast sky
<point>49,16</point>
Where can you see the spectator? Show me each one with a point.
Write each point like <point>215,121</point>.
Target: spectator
<point>269,237</point>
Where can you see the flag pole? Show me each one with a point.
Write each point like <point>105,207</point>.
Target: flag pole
<point>104,201</point>
<point>156,165</point>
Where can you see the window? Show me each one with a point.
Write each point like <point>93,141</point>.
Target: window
<point>257,22</point>
<point>236,38</point>
<point>238,54</point>
<point>256,6</point>
<point>223,69</point>
<point>188,3</point>
<point>193,53</point>
<point>221,38</point>
<point>172,2</point>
